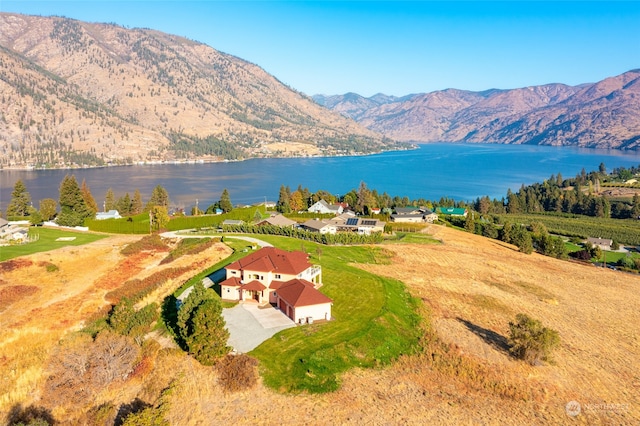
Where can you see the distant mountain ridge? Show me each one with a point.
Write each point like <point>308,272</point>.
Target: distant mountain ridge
<point>78,93</point>
<point>605,114</point>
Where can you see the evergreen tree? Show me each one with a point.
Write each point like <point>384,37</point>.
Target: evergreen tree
<point>469,223</point>
<point>489,230</point>
<point>283,200</point>
<point>136,203</point>
<point>225,201</point>
<point>513,203</point>
<point>109,200</point>
<point>159,197</point>
<point>20,201</point>
<point>365,200</point>
<point>124,204</point>
<point>602,169</point>
<point>306,197</point>
<point>88,198</point>
<point>207,336</point>
<point>34,216</point>
<point>73,209</point>
<point>522,239</point>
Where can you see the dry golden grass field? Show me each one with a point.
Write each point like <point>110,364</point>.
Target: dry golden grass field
<point>471,287</point>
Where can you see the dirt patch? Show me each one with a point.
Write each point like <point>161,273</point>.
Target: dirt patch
<point>12,294</point>
<point>13,264</point>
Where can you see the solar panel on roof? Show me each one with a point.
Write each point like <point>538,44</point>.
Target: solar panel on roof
<point>352,221</point>
<point>369,222</point>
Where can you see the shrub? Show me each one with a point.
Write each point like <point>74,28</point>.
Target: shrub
<point>530,341</point>
<point>31,416</point>
<point>584,255</point>
<point>237,372</point>
<point>151,242</point>
<point>79,371</point>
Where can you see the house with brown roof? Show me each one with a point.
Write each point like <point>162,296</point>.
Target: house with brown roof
<point>603,243</point>
<point>301,301</point>
<point>322,226</point>
<point>278,220</point>
<point>413,215</point>
<point>285,279</point>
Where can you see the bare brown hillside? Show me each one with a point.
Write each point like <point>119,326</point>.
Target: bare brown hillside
<point>603,114</point>
<point>74,92</point>
<point>471,287</point>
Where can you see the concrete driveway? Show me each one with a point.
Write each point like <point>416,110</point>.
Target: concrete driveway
<point>250,325</point>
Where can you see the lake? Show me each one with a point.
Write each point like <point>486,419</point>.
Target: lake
<point>459,171</point>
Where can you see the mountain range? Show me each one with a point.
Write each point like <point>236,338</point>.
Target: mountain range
<point>605,114</point>
<point>77,93</point>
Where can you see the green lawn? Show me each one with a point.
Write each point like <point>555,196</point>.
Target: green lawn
<point>612,257</point>
<point>375,322</point>
<point>47,241</point>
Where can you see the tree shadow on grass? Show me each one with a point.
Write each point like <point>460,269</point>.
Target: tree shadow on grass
<point>493,339</point>
<point>32,414</point>
<point>125,410</point>
<point>169,314</point>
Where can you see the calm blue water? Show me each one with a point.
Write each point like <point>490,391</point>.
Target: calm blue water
<point>459,171</point>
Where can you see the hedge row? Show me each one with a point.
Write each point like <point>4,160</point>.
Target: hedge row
<point>342,238</point>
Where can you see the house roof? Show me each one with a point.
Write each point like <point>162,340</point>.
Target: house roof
<point>278,220</point>
<point>231,282</point>
<point>362,222</point>
<point>452,210</point>
<point>3,222</point>
<point>408,210</point>
<point>315,224</point>
<point>325,205</point>
<point>601,241</point>
<point>299,292</point>
<point>232,222</point>
<point>272,259</point>
<point>254,286</point>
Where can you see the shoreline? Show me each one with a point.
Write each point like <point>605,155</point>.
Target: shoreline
<point>27,168</point>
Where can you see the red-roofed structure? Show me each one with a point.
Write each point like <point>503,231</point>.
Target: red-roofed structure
<point>300,300</point>
<point>286,279</point>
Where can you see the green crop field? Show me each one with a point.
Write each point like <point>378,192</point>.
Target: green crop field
<point>624,231</point>
<point>47,241</point>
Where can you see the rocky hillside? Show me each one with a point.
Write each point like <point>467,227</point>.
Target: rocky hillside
<point>605,114</point>
<point>73,92</point>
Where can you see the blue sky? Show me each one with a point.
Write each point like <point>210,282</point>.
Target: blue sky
<point>396,48</point>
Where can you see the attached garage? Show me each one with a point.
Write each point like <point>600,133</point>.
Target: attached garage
<point>301,301</point>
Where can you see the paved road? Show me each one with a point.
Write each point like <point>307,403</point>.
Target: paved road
<point>179,234</point>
